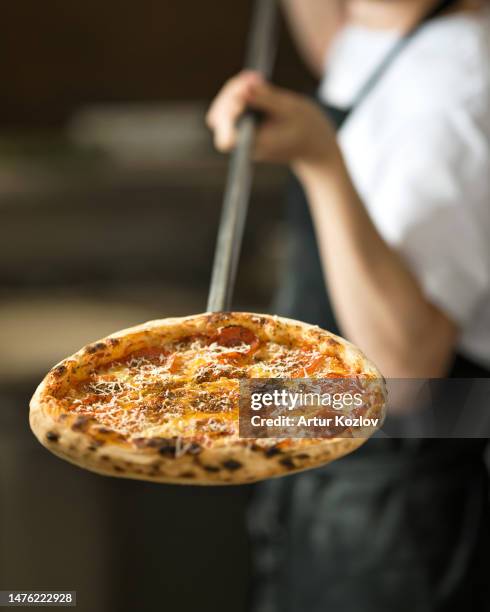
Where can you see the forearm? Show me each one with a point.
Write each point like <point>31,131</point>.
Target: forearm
<point>313,24</point>
<point>377,300</point>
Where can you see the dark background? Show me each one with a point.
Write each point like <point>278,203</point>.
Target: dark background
<point>55,56</point>
<point>109,200</point>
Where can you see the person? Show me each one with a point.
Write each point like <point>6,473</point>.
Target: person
<point>389,246</point>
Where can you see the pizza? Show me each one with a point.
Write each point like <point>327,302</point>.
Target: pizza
<point>160,401</point>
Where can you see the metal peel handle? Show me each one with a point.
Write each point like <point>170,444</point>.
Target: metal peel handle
<point>260,57</point>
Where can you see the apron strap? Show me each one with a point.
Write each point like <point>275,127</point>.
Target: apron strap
<point>440,7</point>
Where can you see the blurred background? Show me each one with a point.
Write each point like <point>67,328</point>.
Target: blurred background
<point>110,195</point>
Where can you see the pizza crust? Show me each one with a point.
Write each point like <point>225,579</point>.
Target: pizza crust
<point>231,461</point>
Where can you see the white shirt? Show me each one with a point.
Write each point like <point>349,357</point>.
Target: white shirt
<point>418,150</point>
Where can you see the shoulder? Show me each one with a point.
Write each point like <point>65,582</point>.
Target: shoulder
<point>433,105</point>
<point>446,66</point>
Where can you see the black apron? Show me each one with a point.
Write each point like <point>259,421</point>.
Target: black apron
<point>399,525</point>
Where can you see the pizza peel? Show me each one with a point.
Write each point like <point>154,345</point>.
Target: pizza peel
<point>260,57</point>
<point>68,438</point>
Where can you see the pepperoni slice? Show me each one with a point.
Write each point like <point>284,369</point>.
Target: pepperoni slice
<point>317,363</point>
<point>236,335</point>
<point>314,365</point>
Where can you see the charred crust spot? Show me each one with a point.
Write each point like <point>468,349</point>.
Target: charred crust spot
<point>52,436</point>
<point>113,341</point>
<point>94,348</point>
<point>258,319</point>
<point>187,475</point>
<point>104,457</point>
<point>164,446</point>
<point>232,465</point>
<point>272,451</point>
<point>211,468</point>
<point>167,447</point>
<point>119,469</point>
<point>95,444</point>
<point>59,371</point>
<point>256,448</point>
<point>104,431</point>
<point>111,434</point>
<point>287,462</point>
<point>194,449</point>
<point>303,456</point>
<point>81,423</point>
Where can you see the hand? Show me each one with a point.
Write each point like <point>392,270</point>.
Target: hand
<point>294,131</point>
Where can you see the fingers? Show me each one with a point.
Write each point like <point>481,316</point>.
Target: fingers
<point>229,104</point>
<point>248,90</point>
<point>270,99</point>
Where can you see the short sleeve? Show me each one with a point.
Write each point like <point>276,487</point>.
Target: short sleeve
<point>431,202</point>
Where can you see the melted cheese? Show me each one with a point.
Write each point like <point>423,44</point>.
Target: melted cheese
<point>187,389</point>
